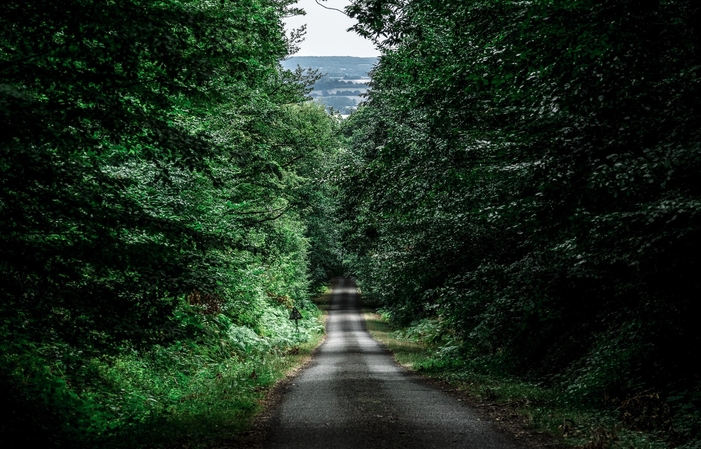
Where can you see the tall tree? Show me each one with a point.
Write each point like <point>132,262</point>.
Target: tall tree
<point>525,172</point>
<point>157,164</point>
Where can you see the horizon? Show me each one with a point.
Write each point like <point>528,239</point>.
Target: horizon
<point>333,56</point>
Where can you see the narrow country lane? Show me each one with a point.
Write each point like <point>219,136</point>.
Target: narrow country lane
<point>353,395</point>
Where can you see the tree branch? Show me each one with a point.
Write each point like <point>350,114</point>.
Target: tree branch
<point>328,7</point>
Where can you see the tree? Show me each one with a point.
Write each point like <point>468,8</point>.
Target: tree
<point>524,172</point>
<point>157,170</point>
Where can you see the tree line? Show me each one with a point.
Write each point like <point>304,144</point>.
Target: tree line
<point>163,209</point>
<point>519,181</point>
<point>522,176</point>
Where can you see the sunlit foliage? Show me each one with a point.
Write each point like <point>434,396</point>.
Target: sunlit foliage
<point>158,173</point>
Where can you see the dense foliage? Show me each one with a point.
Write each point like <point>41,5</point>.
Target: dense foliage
<point>522,176</point>
<point>519,185</point>
<point>161,189</point>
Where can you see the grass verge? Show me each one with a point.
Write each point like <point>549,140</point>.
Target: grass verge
<point>226,399</point>
<point>533,411</point>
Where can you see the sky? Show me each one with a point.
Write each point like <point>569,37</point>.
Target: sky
<point>326,31</point>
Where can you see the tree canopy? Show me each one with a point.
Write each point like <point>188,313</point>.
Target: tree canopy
<point>520,176</point>
<point>523,173</point>
<point>159,183</point>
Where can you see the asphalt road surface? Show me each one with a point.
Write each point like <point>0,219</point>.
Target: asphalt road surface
<point>353,395</point>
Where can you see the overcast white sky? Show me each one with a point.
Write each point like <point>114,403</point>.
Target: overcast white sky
<point>326,31</point>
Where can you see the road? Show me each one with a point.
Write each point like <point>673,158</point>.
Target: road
<point>353,395</point>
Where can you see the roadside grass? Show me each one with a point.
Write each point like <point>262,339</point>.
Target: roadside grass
<point>542,410</point>
<point>408,353</point>
<point>221,405</point>
<point>220,400</point>
<point>323,301</point>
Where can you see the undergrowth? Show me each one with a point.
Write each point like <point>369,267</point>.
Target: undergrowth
<point>426,348</point>
<point>191,393</point>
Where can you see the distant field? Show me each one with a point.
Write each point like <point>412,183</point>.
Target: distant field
<point>334,66</point>
<point>341,73</point>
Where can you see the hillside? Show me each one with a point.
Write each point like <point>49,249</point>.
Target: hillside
<point>347,67</point>
<point>344,81</point>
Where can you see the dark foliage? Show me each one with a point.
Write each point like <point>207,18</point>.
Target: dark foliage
<point>525,172</point>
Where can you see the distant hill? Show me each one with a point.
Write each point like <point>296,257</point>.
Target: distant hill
<point>348,67</point>
<point>345,79</point>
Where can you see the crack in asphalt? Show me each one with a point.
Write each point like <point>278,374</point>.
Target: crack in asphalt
<point>353,395</point>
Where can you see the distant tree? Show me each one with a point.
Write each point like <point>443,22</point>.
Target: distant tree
<point>347,93</point>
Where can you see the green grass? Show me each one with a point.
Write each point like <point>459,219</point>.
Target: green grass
<point>408,353</point>
<point>226,403</point>
<point>544,410</point>
<point>194,393</point>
